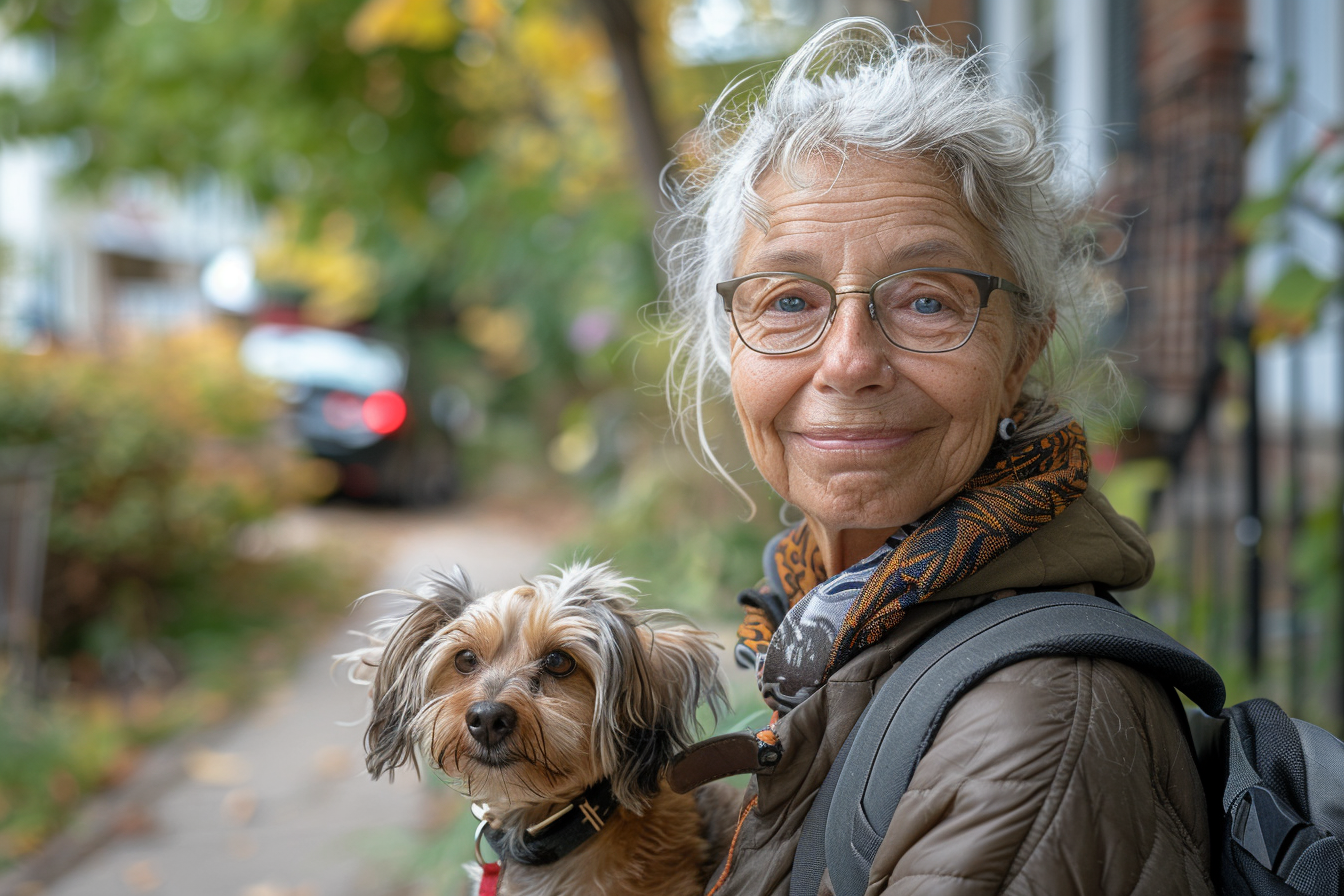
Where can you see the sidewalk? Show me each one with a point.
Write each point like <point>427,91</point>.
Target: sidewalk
<point>278,803</point>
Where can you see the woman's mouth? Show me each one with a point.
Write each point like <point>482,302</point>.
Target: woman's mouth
<point>856,439</point>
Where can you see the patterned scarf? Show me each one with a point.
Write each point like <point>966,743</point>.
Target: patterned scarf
<point>829,620</point>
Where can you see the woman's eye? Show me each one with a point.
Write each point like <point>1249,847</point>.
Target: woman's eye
<point>791,304</point>
<point>465,661</point>
<point>926,305</point>
<point>558,663</point>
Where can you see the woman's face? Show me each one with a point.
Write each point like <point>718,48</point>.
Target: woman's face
<point>855,432</point>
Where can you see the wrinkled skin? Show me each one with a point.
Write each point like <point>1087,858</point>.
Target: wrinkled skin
<point>862,436</point>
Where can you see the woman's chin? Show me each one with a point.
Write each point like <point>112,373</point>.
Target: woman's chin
<point>861,500</point>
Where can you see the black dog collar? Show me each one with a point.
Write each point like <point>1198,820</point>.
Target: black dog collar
<point>562,833</point>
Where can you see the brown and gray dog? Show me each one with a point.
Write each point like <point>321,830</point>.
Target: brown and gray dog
<point>556,707</point>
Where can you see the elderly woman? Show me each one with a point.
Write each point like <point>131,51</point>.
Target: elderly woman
<point>872,253</point>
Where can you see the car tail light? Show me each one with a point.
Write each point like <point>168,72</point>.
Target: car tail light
<point>384,412</point>
<point>342,410</point>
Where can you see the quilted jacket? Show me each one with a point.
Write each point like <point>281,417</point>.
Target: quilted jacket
<point>1052,776</point>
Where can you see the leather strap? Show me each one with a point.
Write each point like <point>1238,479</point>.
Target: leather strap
<point>736,753</point>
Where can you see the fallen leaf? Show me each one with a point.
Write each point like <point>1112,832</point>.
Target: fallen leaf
<point>333,761</point>
<point>133,821</point>
<point>240,805</point>
<point>218,769</point>
<point>142,876</point>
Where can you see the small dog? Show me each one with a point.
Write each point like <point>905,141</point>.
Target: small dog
<point>556,707</point>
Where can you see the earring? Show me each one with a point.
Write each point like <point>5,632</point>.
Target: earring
<point>1007,426</point>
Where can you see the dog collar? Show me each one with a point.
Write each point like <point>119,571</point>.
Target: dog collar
<point>562,833</point>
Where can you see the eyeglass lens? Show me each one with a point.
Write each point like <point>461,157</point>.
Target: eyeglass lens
<point>924,311</point>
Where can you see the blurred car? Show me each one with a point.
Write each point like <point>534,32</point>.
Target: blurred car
<point>348,403</point>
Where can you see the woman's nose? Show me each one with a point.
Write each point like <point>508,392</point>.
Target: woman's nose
<point>855,356</point>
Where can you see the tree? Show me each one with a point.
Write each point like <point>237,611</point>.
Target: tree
<point>475,156</point>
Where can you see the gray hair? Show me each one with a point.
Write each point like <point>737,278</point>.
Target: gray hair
<point>855,86</point>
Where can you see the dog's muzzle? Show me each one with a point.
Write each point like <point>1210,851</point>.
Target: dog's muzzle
<point>490,722</point>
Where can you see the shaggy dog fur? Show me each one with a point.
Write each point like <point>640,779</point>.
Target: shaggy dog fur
<point>526,697</point>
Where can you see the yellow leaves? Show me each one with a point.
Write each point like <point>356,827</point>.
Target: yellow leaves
<point>341,282</point>
<point>557,47</point>
<point>485,15</point>
<point>418,24</point>
<point>573,449</point>
<point>527,148</point>
<point>501,334</point>
<point>543,82</point>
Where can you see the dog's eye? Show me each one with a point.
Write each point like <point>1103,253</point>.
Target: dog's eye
<point>465,661</point>
<point>558,663</point>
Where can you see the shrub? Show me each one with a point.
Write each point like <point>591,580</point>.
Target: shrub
<point>162,454</point>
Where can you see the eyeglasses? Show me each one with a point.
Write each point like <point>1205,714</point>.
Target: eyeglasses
<point>926,310</point>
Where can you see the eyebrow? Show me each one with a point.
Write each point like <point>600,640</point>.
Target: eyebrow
<point>928,252</point>
<point>933,252</point>
<point>784,259</point>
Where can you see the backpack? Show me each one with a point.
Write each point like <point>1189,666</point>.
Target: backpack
<point>1275,785</point>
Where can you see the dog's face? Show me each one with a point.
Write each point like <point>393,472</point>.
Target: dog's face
<point>540,690</point>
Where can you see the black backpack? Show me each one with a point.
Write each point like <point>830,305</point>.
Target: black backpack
<point>1275,785</point>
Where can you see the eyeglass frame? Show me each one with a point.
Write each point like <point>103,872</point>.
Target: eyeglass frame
<point>987,284</point>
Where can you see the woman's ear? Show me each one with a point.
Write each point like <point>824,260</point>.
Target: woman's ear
<point>399,687</point>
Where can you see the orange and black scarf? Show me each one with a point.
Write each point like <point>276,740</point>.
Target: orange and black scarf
<point>801,624</point>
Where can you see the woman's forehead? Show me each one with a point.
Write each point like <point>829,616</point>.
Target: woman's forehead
<point>878,213</point>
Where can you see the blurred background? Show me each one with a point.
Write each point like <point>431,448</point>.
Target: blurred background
<point>300,297</point>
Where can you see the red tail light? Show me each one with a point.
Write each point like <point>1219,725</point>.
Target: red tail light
<point>384,412</point>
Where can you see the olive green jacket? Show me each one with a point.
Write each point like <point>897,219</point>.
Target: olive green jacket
<point>1053,776</point>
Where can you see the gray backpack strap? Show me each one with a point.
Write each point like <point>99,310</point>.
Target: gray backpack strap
<point>809,859</point>
<point>945,666</point>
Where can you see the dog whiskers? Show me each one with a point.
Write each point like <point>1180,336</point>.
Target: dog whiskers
<point>628,710</point>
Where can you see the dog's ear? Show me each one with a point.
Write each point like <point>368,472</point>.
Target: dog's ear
<point>400,688</point>
<point>673,671</point>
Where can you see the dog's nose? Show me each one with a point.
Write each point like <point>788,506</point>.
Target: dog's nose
<point>490,722</point>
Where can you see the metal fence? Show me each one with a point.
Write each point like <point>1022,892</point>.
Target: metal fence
<point>1249,533</point>
<point>26,480</point>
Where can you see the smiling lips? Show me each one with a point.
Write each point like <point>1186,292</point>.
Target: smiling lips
<point>855,439</point>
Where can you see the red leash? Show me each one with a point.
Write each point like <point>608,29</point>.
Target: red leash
<point>489,879</point>
<point>489,870</point>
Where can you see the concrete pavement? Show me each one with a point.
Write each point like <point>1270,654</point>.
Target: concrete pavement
<point>278,803</point>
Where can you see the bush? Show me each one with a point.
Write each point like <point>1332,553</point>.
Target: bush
<point>152,621</point>
<point>162,455</point>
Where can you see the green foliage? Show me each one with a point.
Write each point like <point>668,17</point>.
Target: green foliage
<point>160,458</point>
<point>48,759</point>
<point>1316,556</point>
<point>1292,303</point>
<point>151,620</point>
<point>234,637</point>
<point>511,250</point>
<point>527,303</point>
<point>1130,487</point>
<point>1253,213</point>
<point>1296,298</point>
<point>1315,561</point>
<point>512,259</point>
<point>695,557</point>
<point>265,91</point>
